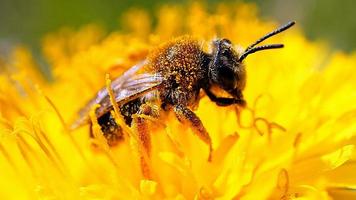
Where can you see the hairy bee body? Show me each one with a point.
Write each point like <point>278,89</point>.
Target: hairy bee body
<point>182,64</point>
<point>171,79</point>
<point>110,129</point>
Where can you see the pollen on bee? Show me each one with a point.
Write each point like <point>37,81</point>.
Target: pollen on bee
<point>179,53</point>
<point>239,49</point>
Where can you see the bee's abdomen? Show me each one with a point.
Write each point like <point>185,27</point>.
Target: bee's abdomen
<point>130,108</point>
<point>113,131</point>
<point>110,129</point>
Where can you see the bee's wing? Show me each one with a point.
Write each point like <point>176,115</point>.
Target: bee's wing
<point>131,89</point>
<point>118,82</point>
<point>125,88</point>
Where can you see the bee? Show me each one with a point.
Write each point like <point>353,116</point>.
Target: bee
<point>171,79</point>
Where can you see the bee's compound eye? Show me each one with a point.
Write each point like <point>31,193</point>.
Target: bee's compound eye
<point>226,41</point>
<point>227,78</point>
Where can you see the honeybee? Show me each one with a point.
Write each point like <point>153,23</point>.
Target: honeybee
<point>170,79</point>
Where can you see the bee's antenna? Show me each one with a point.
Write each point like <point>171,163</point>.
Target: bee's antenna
<point>268,35</point>
<point>259,48</point>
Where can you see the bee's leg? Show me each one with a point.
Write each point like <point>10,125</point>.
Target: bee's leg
<point>140,126</point>
<point>184,114</point>
<point>223,101</point>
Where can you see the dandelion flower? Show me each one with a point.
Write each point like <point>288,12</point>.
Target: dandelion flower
<point>295,139</point>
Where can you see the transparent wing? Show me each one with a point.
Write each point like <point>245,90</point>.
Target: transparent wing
<point>127,87</point>
<point>118,82</point>
<point>132,89</point>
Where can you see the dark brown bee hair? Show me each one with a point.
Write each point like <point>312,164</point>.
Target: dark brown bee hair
<point>170,79</point>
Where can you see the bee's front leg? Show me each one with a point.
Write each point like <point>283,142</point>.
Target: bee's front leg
<point>184,114</point>
<point>223,101</point>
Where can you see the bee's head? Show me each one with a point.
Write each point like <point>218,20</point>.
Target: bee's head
<point>226,68</point>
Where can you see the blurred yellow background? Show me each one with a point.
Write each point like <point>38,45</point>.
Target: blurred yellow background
<point>26,21</point>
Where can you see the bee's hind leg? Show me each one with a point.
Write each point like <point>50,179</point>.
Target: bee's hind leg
<point>140,126</point>
<point>184,114</point>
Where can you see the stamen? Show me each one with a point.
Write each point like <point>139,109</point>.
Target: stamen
<point>5,122</point>
<point>39,134</point>
<point>263,127</point>
<point>67,131</point>
<point>268,127</point>
<point>50,102</point>
<point>297,140</point>
<point>259,99</point>
<point>341,192</point>
<point>283,183</point>
<point>204,193</point>
<point>143,143</point>
<point>137,144</point>
<point>99,138</point>
<point>224,148</point>
<point>246,115</point>
<point>148,187</point>
<point>8,158</point>
<point>24,150</point>
<point>44,149</point>
<point>277,126</point>
<point>175,143</point>
<point>117,115</point>
<point>245,187</point>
